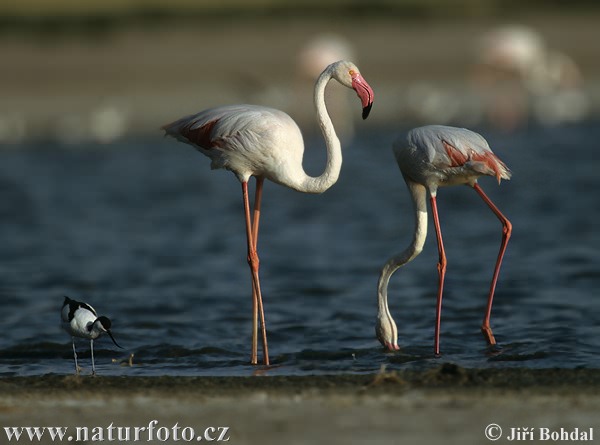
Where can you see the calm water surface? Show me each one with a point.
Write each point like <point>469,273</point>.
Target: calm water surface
<point>147,234</point>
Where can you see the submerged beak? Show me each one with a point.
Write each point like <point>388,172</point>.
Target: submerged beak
<point>364,92</point>
<point>113,339</point>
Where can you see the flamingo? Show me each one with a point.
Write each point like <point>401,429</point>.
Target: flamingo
<point>266,143</point>
<point>434,156</point>
<point>519,74</point>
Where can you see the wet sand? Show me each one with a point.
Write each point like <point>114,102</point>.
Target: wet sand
<point>448,404</point>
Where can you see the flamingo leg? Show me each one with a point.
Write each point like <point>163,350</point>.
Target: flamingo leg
<point>253,261</point>
<point>441,273</point>
<point>255,222</point>
<point>506,232</point>
<point>251,247</point>
<point>257,202</point>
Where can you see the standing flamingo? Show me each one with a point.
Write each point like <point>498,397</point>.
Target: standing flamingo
<point>435,156</point>
<point>263,142</point>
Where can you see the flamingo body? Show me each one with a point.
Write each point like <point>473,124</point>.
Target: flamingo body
<point>430,157</point>
<point>249,140</point>
<point>257,141</point>
<point>438,155</point>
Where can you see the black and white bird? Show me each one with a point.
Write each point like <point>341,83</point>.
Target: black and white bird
<point>80,320</point>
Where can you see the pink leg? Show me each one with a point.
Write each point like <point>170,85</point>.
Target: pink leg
<point>254,354</point>
<point>254,263</point>
<point>255,223</point>
<point>441,273</point>
<point>257,202</point>
<point>506,232</point>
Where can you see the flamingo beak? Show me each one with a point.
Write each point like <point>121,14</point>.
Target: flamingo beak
<point>364,92</point>
<point>392,347</point>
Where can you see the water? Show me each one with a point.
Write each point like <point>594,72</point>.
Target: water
<point>146,233</point>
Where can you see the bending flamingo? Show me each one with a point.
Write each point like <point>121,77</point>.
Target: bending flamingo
<point>434,156</point>
<point>266,143</point>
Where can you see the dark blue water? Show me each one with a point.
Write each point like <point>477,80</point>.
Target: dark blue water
<point>146,233</point>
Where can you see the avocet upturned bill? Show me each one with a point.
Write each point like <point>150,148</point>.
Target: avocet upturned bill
<point>80,320</point>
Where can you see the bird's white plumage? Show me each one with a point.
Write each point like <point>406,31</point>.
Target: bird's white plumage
<point>438,155</point>
<point>429,139</point>
<point>80,321</point>
<point>249,140</point>
<point>252,140</point>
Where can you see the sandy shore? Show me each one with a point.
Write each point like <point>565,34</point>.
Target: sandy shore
<point>448,404</point>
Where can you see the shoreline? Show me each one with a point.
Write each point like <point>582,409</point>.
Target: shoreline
<point>446,377</point>
<point>448,404</point>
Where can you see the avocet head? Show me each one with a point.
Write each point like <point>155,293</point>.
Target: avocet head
<point>348,75</point>
<point>102,325</point>
<point>387,332</point>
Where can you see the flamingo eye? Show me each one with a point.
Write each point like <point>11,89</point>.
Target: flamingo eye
<point>352,73</point>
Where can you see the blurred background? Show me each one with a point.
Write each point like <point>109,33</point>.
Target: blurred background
<point>102,70</point>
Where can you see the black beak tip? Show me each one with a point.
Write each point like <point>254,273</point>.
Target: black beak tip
<point>366,111</point>
<point>114,341</point>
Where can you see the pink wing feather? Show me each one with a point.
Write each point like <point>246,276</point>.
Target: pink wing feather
<point>486,162</point>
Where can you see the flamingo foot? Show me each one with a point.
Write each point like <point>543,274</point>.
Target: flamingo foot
<point>486,330</point>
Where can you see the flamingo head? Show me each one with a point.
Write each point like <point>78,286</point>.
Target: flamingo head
<point>348,75</point>
<point>387,332</point>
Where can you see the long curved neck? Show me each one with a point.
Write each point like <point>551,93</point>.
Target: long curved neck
<point>333,166</point>
<point>418,194</point>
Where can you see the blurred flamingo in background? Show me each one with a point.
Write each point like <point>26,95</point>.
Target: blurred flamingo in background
<point>263,142</point>
<point>520,77</point>
<point>431,157</point>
